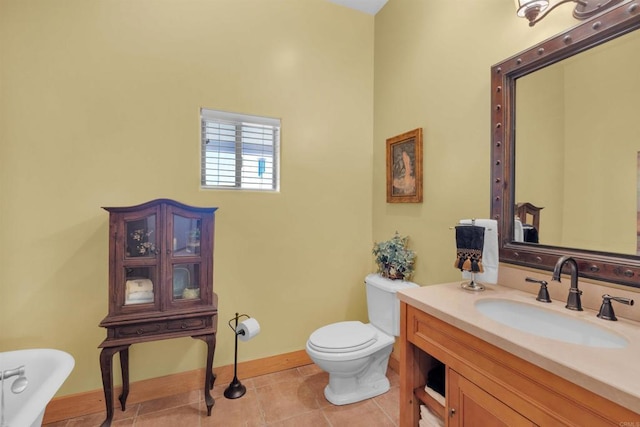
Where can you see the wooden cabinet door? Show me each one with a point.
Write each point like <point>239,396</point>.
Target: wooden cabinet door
<point>135,261</point>
<point>471,406</point>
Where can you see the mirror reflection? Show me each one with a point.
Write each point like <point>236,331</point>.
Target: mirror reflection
<point>577,144</point>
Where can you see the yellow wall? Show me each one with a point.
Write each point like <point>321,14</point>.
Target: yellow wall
<point>540,148</point>
<point>432,70</point>
<point>576,153</point>
<point>99,106</point>
<point>603,144</point>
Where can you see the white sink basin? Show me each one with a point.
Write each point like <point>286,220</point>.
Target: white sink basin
<point>548,324</point>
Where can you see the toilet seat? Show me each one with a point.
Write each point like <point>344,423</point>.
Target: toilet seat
<point>343,337</point>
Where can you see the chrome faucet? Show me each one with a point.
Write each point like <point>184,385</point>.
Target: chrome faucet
<point>19,384</point>
<point>573,299</point>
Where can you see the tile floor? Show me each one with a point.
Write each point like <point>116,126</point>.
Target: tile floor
<point>290,398</point>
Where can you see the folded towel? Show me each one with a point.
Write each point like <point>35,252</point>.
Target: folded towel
<point>530,233</point>
<point>437,396</point>
<point>139,285</point>
<point>518,232</point>
<point>469,244</point>
<point>139,297</point>
<point>490,259</point>
<point>428,418</point>
<point>138,291</point>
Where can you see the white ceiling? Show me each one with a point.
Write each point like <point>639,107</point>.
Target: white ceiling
<point>367,6</point>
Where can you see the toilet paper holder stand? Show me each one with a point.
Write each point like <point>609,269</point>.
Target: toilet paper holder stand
<point>236,389</point>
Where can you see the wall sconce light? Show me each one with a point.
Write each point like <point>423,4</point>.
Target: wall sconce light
<point>535,10</point>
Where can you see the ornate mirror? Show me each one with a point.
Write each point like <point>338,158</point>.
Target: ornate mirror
<point>566,148</point>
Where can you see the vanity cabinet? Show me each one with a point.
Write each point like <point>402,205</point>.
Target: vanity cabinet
<point>488,386</point>
<point>160,284</point>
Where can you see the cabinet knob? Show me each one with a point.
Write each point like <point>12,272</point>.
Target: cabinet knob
<point>452,412</point>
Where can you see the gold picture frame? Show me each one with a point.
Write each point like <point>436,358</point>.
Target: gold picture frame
<point>404,167</point>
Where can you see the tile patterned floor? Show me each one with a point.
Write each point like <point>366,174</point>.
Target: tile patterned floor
<point>290,398</point>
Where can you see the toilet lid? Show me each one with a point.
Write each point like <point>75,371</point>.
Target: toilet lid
<point>343,337</point>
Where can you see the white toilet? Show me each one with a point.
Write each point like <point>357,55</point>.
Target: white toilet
<point>356,355</point>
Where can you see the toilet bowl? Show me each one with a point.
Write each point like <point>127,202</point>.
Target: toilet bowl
<point>356,354</point>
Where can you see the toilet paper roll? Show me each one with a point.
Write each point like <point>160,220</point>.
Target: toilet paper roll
<point>248,329</point>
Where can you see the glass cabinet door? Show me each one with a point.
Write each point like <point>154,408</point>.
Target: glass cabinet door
<point>185,264</point>
<point>186,236</point>
<point>139,285</point>
<point>141,238</point>
<point>139,275</point>
<point>186,281</point>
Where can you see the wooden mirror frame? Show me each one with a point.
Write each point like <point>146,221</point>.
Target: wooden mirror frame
<point>605,266</point>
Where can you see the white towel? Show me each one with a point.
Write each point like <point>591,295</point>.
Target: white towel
<point>489,251</point>
<point>139,285</point>
<point>428,418</point>
<point>139,297</point>
<point>138,291</point>
<point>437,396</point>
<point>518,231</point>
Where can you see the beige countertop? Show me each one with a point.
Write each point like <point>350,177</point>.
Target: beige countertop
<point>608,372</point>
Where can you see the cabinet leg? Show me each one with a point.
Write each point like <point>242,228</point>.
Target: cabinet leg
<point>106,367</point>
<point>213,380</point>
<point>209,375</point>
<point>124,368</point>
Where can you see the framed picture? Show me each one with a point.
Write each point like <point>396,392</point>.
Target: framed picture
<point>404,167</point>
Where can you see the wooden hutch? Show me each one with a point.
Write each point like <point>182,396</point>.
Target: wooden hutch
<point>160,285</point>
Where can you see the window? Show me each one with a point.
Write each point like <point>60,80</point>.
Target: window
<point>239,151</point>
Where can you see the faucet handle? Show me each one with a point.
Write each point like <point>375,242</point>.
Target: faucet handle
<point>606,309</point>
<point>543,293</point>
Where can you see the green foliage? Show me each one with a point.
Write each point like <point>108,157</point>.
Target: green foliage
<point>394,259</point>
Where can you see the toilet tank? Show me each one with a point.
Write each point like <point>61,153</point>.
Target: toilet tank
<point>382,304</point>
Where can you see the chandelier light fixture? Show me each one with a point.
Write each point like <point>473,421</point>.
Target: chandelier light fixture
<point>536,10</point>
